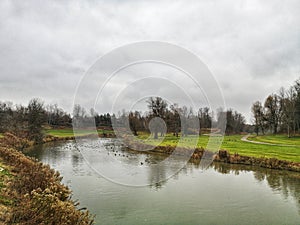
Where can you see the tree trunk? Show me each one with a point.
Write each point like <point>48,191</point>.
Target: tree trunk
<point>263,130</point>
<point>294,129</point>
<point>275,129</point>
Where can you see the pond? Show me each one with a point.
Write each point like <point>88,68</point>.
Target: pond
<point>223,194</point>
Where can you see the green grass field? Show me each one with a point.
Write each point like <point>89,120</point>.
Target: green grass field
<point>1,135</point>
<point>68,132</point>
<point>234,145</point>
<point>277,139</point>
<point>65,132</point>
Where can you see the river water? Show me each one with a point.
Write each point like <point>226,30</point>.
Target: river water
<point>223,194</point>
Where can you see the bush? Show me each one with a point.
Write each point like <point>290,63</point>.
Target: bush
<point>11,140</point>
<point>39,197</point>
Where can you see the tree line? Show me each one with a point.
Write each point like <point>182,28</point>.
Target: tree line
<point>184,120</point>
<point>30,121</point>
<point>23,121</point>
<point>280,112</point>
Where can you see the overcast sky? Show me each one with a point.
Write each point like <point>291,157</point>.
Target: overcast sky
<point>251,47</point>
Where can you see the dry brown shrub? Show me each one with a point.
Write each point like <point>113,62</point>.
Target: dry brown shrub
<point>39,197</point>
<point>11,140</point>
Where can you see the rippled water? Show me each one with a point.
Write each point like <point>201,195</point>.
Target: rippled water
<point>223,194</point>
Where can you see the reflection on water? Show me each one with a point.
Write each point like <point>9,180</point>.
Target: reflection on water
<point>283,182</point>
<point>224,194</point>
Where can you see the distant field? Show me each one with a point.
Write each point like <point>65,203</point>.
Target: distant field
<point>277,139</point>
<point>1,135</point>
<point>234,145</point>
<point>69,132</point>
<point>65,132</point>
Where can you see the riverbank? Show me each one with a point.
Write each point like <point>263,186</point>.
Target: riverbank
<point>10,140</point>
<point>231,143</point>
<point>237,151</point>
<point>225,156</point>
<point>32,193</point>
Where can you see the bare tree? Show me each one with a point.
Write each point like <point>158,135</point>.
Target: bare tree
<point>6,113</point>
<point>184,120</point>
<point>158,108</point>
<point>175,119</point>
<point>258,114</point>
<point>288,103</point>
<point>135,122</point>
<point>79,114</point>
<point>205,118</point>
<point>272,112</point>
<point>57,116</point>
<point>36,120</point>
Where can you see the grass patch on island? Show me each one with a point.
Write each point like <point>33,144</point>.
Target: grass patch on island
<point>231,143</point>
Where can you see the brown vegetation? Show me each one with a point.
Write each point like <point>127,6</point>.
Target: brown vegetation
<point>271,163</point>
<point>11,140</point>
<point>37,195</point>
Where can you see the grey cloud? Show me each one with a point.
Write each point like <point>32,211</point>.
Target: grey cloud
<point>252,47</point>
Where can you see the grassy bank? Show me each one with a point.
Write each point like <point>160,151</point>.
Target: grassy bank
<point>233,144</point>
<point>68,132</point>
<point>220,156</point>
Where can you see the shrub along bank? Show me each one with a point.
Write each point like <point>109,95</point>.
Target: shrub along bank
<point>34,194</point>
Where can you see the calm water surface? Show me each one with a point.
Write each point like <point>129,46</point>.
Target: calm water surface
<point>224,194</point>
